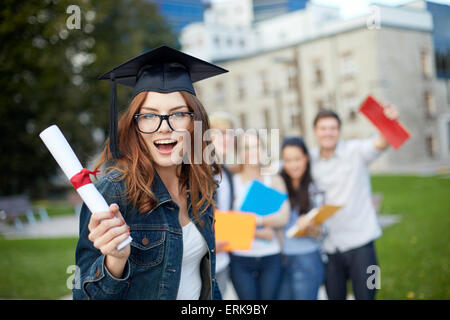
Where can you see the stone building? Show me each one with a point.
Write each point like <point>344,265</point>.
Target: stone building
<point>335,64</point>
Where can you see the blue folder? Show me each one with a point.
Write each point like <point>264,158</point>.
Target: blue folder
<point>262,200</point>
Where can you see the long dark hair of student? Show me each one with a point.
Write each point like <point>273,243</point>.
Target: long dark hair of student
<point>299,197</point>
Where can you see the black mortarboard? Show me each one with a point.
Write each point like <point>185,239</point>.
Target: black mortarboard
<point>161,70</point>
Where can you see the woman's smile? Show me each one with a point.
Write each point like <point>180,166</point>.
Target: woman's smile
<point>165,146</point>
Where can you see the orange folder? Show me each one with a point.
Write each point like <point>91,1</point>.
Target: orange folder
<point>238,229</point>
<point>318,215</point>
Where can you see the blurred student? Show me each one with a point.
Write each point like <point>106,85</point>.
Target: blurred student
<point>256,273</point>
<point>341,169</point>
<point>303,270</point>
<point>223,140</point>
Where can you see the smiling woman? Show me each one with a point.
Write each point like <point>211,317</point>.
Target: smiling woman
<point>167,122</point>
<point>165,204</point>
<point>159,146</point>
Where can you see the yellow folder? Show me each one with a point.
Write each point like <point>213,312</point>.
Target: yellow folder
<point>238,229</point>
<point>318,215</point>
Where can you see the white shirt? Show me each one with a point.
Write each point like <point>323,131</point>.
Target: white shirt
<point>223,193</point>
<point>194,248</point>
<point>345,178</point>
<point>260,247</point>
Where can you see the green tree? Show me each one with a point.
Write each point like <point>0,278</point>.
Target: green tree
<point>48,74</point>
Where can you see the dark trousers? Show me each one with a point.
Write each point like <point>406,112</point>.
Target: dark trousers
<point>256,278</point>
<point>353,265</point>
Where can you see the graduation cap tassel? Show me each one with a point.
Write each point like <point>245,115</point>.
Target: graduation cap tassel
<point>113,134</point>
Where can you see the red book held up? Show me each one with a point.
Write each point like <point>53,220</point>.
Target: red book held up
<point>392,130</point>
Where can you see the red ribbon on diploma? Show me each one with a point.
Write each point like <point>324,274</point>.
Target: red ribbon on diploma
<point>82,178</point>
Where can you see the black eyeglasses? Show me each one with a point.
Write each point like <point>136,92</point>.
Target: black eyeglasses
<point>151,122</point>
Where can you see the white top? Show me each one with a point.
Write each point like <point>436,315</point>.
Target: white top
<point>345,178</point>
<point>223,203</point>
<point>260,247</point>
<point>223,193</point>
<point>194,248</point>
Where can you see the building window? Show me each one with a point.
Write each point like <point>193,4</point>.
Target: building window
<point>217,41</point>
<point>317,73</point>
<point>292,78</point>
<point>426,63</point>
<point>240,88</point>
<point>265,87</point>
<point>430,107</point>
<point>350,106</point>
<point>430,142</point>
<point>442,60</point>
<point>319,105</point>
<point>348,65</point>
<point>219,93</point>
<point>243,120</point>
<point>294,116</point>
<point>266,113</point>
<point>296,121</point>
<point>352,115</point>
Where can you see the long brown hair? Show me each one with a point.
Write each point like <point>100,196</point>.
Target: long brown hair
<point>137,168</point>
<point>298,197</point>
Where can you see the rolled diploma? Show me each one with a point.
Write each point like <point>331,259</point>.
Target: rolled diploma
<point>70,165</point>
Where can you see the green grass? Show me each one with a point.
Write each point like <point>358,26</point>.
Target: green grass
<point>414,253</point>
<point>35,268</point>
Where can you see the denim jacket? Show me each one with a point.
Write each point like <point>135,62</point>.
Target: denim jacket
<point>153,268</point>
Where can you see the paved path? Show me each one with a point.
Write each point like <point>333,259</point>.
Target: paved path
<point>67,226</point>
<point>56,227</point>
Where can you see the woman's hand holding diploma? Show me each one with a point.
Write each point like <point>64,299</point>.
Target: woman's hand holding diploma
<point>107,231</point>
<point>78,176</point>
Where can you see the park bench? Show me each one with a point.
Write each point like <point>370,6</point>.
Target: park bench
<point>12,208</point>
